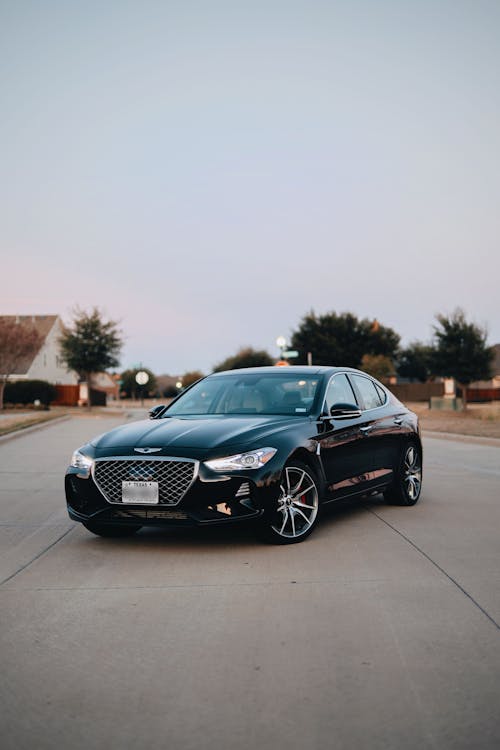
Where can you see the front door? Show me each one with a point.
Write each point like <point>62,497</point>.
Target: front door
<point>344,450</point>
<point>380,429</point>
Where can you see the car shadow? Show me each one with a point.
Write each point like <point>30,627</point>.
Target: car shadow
<point>242,534</point>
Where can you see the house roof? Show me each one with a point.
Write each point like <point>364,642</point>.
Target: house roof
<point>43,325</point>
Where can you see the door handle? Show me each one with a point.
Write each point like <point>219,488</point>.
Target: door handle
<point>398,420</point>
<point>366,429</point>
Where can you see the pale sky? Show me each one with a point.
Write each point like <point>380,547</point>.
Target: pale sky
<point>208,172</point>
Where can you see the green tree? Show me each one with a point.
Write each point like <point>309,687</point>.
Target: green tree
<point>90,344</point>
<point>415,361</point>
<point>342,339</point>
<point>378,365</point>
<point>19,341</point>
<point>461,351</point>
<point>246,357</point>
<point>132,389</point>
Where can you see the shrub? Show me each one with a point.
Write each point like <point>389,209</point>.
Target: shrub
<point>28,391</point>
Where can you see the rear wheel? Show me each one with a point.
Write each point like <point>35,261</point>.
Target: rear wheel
<point>110,530</point>
<point>297,507</point>
<point>408,483</point>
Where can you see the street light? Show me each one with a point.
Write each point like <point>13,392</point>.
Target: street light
<point>281,343</point>
<point>141,378</point>
<point>285,353</point>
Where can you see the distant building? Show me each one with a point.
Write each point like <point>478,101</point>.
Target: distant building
<point>47,363</point>
<point>108,383</point>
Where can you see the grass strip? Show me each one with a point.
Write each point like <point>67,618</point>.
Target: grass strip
<point>22,424</point>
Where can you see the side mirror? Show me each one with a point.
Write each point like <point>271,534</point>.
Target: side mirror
<point>345,411</point>
<point>155,412</point>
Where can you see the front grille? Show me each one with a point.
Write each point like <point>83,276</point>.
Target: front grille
<point>174,476</point>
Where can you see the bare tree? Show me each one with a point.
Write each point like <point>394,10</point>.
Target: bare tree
<point>190,377</point>
<point>19,341</point>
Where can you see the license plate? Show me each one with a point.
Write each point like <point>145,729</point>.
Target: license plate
<point>137,493</point>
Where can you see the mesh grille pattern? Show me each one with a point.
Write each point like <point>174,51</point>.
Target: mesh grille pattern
<point>174,477</point>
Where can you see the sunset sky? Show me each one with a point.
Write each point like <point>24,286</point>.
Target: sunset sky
<point>208,172</point>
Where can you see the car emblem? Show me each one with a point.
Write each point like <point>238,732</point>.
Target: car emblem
<point>147,450</point>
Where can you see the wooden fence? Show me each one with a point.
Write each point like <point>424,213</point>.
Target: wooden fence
<point>481,395</point>
<point>425,391</point>
<point>69,395</point>
<point>416,391</point>
<point>66,395</point>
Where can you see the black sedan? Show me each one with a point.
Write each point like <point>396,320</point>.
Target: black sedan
<point>267,444</point>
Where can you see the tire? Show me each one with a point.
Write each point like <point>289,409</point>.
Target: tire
<point>297,508</point>
<point>110,530</point>
<point>407,484</point>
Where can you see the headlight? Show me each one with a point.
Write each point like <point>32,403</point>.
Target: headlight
<point>251,460</point>
<point>82,462</point>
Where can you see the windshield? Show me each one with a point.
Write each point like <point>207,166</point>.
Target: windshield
<point>269,393</point>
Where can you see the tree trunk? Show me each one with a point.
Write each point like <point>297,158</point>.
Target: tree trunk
<point>464,396</point>
<point>88,377</point>
<point>2,388</point>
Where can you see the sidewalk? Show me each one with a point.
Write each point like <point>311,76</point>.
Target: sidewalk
<point>480,420</point>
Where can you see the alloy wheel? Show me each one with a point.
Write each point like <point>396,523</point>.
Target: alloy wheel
<point>412,473</point>
<point>298,504</point>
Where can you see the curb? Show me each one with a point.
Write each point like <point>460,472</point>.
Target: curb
<point>20,431</point>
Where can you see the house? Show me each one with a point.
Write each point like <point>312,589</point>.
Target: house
<point>47,363</point>
<point>108,383</point>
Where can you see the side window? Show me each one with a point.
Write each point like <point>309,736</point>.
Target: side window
<point>368,390</point>
<point>339,391</point>
<point>381,393</point>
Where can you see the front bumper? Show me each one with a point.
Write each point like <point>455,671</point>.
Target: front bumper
<point>208,501</point>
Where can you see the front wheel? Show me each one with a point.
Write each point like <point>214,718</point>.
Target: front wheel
<point>408,482</point>
<point>297,508</point>
<point>110,530</point>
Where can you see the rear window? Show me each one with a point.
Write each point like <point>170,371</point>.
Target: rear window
<point>369,392</point>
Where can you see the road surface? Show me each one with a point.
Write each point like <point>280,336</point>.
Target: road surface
<point>380,631</point>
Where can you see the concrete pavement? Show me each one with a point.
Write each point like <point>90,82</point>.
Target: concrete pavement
<point>380,631</point>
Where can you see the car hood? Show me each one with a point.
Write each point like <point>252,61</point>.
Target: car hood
<point>193,435</point>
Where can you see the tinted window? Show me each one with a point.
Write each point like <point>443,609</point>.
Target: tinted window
<point>368,390</point>
<point>339,392</point>
<point>266,393</point>
<point>381,393</point>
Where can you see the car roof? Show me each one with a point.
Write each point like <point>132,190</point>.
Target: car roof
<point>291,369</point>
